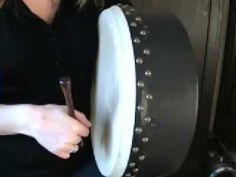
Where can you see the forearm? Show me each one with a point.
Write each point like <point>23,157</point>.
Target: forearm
<point>14,119</point>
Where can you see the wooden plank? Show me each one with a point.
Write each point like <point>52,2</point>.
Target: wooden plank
<point>210,85</point>
<point>215,51</point>
<point>225,119</point>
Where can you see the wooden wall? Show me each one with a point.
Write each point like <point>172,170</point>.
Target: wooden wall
<point>206,23</point>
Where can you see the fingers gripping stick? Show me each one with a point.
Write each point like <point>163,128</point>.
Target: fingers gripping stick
<point>65,84</point>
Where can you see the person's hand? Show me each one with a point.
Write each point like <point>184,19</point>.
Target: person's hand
<point>59,133</point>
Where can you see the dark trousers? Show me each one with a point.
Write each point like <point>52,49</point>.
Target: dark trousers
<point>89,170</point>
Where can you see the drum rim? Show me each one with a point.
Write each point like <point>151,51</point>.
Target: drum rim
<point>119,171</point>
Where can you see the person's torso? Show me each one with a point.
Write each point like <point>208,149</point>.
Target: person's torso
<point>33,57</point>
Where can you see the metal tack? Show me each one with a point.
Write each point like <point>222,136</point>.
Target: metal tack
<point>149,97</point>
<point>128,174</point>
<point>146,51</point>
<point>138,130</point>
<point>135,149</point>
<point>132,164</point>
<point>132,10</point>
<point>143,32</point>
<point>141,158</point>
<point>135,170</point>
<point>137,40</point>
<point>145,139</point>
<point>128,13</point>
<point>138,19</point>
<point>125,6</point>
<point>140,108</point>
<point>147,119</point>
<point>148,73</point>
<point>133,24</point>
<point>139,60</point>
<point>140,84</point>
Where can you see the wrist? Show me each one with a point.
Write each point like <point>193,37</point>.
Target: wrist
<point>25,119</point>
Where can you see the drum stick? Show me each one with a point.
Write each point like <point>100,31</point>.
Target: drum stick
<point>65,84</point>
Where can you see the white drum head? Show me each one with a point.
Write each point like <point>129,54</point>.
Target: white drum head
<point>114,96</point>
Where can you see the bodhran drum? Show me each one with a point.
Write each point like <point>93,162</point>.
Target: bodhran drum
<point>145,94</point>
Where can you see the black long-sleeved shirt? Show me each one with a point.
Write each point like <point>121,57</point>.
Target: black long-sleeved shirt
<point>33,56</point>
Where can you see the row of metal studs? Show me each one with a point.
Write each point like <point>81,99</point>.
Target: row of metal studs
<point>139,60</point>
<point>140,84</point>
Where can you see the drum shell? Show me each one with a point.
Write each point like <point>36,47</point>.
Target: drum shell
<point>173,85</point>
